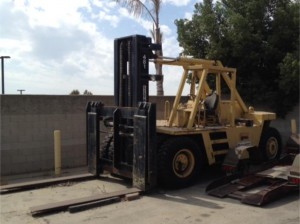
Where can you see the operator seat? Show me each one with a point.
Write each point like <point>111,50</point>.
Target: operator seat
<point>208,115</point>
<point>211,103</point>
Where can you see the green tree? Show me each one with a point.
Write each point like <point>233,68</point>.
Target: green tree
<point>75,92</point>
<point>288,82</point>
<point>86,92</point>
<point>258,37</point>
<point>149,8</point>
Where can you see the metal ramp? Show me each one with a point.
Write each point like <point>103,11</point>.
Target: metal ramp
<point>255,189</point>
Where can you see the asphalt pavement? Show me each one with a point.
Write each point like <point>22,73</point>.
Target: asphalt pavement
<point>188,205</point>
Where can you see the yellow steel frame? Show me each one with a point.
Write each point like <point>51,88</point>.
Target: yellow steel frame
<point>200,68</point>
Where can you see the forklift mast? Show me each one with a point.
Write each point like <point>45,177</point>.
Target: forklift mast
<point>121,139</point>
<point>132,70</point>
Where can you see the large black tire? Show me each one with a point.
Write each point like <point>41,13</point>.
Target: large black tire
<point>178,162</point>
<point>270,144</point>
<point>107,150</point>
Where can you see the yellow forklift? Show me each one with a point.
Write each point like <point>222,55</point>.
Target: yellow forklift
<point>200,129</point>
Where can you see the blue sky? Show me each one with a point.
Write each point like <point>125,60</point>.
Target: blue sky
<point>57,46</point>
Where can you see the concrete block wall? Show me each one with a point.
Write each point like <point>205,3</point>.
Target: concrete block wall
<point>27,126</point>
<point>27,123</point>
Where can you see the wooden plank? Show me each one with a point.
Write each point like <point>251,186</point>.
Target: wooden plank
<point>45,182</point>
<point>63,205</point>
<point>94,204</point>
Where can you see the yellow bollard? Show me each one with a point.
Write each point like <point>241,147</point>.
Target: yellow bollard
<point>293,127</point>
<point>57,152</point>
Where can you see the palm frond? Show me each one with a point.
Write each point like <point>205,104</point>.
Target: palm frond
<point>156,6</point>
<point>135,7</point>
<point>138,8</point>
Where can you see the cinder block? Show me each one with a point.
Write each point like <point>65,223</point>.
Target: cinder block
<point>33,158</point>
<point>28,151</point>
<point>19,168</point>
<point>47,165</point>
<point>25,136</point>
<point>35,166</point>
<point>5,147</point>
<point>5,170</point>
<point>131,197</point>
<point>16,159</point>
<point>82,151</point>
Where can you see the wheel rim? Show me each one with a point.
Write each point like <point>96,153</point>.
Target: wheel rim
<point>272,148</point>
<point>183,163</point>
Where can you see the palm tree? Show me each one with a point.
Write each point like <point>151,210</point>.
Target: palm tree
<point>138,8</point>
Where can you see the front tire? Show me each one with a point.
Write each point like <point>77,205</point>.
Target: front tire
<point>270,144</point>
<point>178,162</point>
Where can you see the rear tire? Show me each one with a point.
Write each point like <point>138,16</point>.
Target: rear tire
<point>178,162</point>
<point>107,150</point>
<point>270,144</point>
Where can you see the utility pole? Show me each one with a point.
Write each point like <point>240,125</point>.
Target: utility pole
<point>21,91</point>
<point>2,70</point>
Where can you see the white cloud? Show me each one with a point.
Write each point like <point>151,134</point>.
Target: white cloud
<point>51,13</point>
<point>166,30</point>
<point>124,12</point>
<point>14,45</point>
<point>188,15</point>
<point>178,2</point>
<point>64,49</point>
<point>113,19</point>
<point>57,46</point>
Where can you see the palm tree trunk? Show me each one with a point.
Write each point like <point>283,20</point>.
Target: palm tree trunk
<point>158,67</point>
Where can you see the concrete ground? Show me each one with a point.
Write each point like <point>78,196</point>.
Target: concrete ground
<point>189,205</point>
